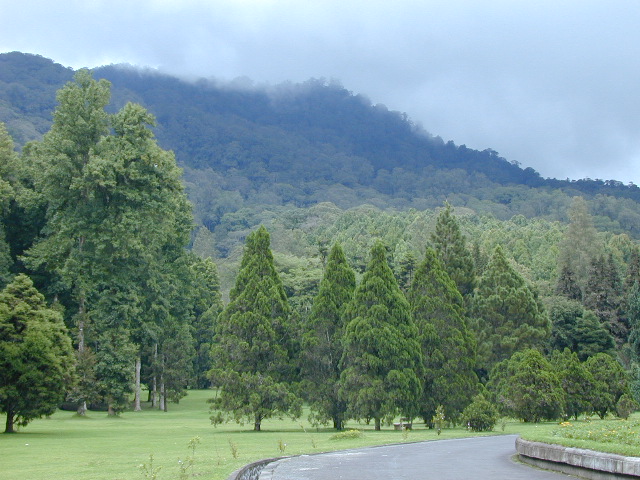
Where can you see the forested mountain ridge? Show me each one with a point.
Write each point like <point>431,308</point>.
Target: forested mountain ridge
<point>314,163</point>
<point>307,143</point>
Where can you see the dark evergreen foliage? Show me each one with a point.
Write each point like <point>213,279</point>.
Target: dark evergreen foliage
<point>567,284</point>
<point>508,313</point>
<point>36,356</point>
<point>528,387</point>
<point>450,245</point>
<point>253,354</point>
<point>576,382</point>
<point>610,383</point>
<point>577,329</point>
<point>382,361</point>
<point>603,296</point>
<point>448,345</point>
<point>322,341</point>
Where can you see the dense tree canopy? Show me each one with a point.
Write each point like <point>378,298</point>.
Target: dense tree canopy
<point>36,356</point>
<point>448,345</point>
<point>322,340</point>
<point>528,387</point>
<point>610,383</point>
<point>382,361</point>
<point>94,211</point>
<point>509,314</point>
<point>452,251</point>
<point>577,329</point>
<point>576,382</point>
<point>116,216</point>
<point>252,353</point>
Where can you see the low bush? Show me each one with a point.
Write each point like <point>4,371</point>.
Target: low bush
<point>348,434</point>
<point>480,415</point>
<point>626,406</point>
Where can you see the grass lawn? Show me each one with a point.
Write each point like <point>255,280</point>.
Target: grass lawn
<point>609,435</point>
<point>66,446</point>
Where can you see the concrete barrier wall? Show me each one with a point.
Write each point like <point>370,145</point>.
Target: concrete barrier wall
<point>577,461</point>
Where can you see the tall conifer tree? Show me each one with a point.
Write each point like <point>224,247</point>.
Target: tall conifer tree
<point>603,296</point>
<point>253,350</point>
<point>207,306</point>
<point>508,313</point>
<point>116,215</point>
<point>322,340</point>
<point>567,284</point>
<point>580,244</point>
<point>382,361</point>
<point>448,345</point>
<point>450,245</point>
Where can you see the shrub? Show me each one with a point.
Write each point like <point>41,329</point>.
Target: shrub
<point>527,387</point>
<point>626,406</point>
<point>349,434</point>
<point>480,415</point>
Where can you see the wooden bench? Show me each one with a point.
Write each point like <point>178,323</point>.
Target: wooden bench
<point>403,424</point>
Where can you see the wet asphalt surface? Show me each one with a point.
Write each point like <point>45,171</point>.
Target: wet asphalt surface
<point>480,458</point>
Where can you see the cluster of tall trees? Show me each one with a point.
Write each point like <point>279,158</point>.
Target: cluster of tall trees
<point>96,215</point>
<point>369,321</point>
<point>405,344</point>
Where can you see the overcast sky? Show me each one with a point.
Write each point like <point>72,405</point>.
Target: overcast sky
<point>550,84</point>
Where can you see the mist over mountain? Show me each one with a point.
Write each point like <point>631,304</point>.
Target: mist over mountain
<point>248,147</point>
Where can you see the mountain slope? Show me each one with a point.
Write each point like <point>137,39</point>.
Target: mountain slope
<point>246,147</point>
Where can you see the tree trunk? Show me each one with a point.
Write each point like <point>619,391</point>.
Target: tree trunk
<point>82,408</point>
<point>138,393</point>
<point>154,395</point>
<point>377,423</point>
<point>9,425</point>
<point>110,411</point>
<point>256,424</point>
<point>161,395</point>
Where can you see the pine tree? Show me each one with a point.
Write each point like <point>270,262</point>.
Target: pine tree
<point>207,306</point>
<point>36,356</point>
<point>448,345</point>
<point>452,251</point>
<point>603,296</point>
<point>580,245</point>
<point>509,316</point>
<point>382,361</point>
<point>253,350</point>
<point>567,284</point>
<point>322,340</point>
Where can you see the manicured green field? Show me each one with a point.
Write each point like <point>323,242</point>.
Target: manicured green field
<point>102,448</point>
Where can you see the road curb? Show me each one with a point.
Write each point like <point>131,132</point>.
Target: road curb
<point>577,461</point>
<point>252,471</point>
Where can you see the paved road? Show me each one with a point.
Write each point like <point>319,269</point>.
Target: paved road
<point>480,458</point>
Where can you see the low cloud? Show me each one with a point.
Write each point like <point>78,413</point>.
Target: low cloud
<point>549,84</point>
